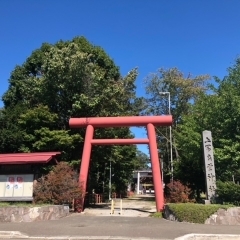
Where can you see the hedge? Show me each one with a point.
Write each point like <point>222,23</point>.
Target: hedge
<point>194,213</point>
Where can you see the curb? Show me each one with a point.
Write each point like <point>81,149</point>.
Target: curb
<point>12,234</point>
<point>195,236</point>
<point>18,235</point>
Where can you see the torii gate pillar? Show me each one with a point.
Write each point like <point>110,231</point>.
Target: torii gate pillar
<point>148,121</point>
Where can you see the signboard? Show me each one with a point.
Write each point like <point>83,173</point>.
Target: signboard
<point>16,187</point>
<point>209,165</point>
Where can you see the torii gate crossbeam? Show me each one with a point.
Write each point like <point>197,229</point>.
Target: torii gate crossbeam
<point>148,121</point>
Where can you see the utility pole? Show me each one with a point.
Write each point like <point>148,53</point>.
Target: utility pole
<point>170,132</point>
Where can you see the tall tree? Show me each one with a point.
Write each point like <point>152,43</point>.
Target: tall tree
<point>190,168</point>
<point>70,79</point>
<point>218,112</point>
<point>183,91</point>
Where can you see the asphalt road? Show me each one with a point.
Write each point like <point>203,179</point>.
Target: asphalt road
<point>80,225</point>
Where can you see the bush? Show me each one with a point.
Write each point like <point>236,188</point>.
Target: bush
<point>194,213</point>
<point>176,192</point>
<point>59,186</point>
<point>228,193</point>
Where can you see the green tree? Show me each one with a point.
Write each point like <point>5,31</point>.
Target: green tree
<point>226,122</point>
<point>218,112</point>
<point>41,134</point>
<point>183,92</point>
<point>70,79</point>
<point>10,133</point>
<point>142,160</point>
<point>190,167</point>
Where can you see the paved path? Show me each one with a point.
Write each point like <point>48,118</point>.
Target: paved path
<point>130,227</point>
<point>134,207</point>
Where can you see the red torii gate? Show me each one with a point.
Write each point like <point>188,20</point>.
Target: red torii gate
<point>149,121</point>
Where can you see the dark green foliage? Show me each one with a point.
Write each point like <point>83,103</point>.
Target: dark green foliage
<point>190,167</point>
<point>228,192</point>
<point>194,213</point>
<point>11,134</point>
<point>142,160</point>
<point>70,79</point>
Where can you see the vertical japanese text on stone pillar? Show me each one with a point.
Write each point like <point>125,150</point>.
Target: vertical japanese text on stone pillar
<point>209,165</point>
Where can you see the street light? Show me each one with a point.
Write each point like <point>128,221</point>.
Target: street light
<point>170,131</point>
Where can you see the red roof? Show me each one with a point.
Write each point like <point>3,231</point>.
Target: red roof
<point>26,158</point>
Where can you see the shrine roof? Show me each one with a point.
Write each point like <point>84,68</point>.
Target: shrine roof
<point>27,158</point>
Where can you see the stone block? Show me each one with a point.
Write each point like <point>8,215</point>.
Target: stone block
<point>168,214</point>
<point>206,202</point>
<point>230,216</point>
<point>238,219</point>
<point>233,211</point>
<point>26,218</point>
<point>221,212</point>
<point>16,218</point>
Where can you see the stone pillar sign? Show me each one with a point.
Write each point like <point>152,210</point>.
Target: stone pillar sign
<point>209,165</point>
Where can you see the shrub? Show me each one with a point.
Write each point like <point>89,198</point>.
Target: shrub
<point>194,213</point>
<point>228,192</point>
<point>59,186</point>
<point>176,192</point>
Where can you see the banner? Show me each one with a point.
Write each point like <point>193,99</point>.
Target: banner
<point>10,182</point>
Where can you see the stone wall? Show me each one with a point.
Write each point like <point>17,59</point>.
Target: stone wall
<point>231,216</point>
<point>168,214</point>
<point>27,214</point>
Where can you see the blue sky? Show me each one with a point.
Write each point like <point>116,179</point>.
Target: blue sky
<point>197,36</point>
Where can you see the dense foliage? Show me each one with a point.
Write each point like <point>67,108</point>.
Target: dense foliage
<point>70,79</point>
<point>228,193</point>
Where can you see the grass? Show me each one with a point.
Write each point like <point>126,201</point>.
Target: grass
<point>156,215</point>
